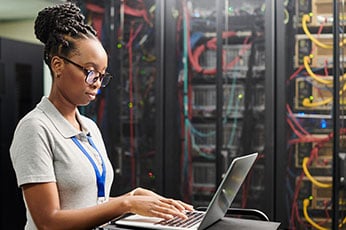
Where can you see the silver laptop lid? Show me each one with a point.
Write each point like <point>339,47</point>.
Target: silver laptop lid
<point>228,189</point>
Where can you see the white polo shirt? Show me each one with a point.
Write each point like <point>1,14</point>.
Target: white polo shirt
<point>42,151</point>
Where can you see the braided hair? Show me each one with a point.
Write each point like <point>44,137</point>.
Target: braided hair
<point>58,27</point>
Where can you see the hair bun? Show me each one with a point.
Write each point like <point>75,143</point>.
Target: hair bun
<point>57,19</point>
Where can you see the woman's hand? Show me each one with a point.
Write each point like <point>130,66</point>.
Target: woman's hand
<point>147,203</point>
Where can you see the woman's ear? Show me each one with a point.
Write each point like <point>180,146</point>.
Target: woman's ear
<point>57,65</point>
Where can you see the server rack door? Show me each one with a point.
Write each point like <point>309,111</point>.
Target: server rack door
<point>313,81</point>
<point>222,84</point>
<point>21,78</point>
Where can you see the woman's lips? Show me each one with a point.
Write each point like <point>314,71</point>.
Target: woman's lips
<point>91,96</point>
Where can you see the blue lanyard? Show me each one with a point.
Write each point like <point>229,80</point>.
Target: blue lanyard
<point>100,178</point>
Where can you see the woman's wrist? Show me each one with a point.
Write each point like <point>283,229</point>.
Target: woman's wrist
<point>127,203</point>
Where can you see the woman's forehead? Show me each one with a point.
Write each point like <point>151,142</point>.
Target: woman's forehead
<point>90,48</point>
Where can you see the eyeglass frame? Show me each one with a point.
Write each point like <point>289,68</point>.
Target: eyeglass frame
<point>98,75</point>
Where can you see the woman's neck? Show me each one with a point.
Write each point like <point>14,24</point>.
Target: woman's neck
<point>67,110</point>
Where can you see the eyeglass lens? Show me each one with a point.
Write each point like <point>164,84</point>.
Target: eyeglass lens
<point>92,77</point>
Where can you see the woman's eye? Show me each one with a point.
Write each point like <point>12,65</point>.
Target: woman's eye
<point>91,73</point>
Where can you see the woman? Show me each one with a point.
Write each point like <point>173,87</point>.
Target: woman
<point>58,155</point>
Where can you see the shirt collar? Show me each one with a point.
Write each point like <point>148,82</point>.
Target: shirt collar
<point>58,120</point>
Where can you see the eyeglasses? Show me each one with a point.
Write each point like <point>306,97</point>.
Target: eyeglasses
<point>91,76</point>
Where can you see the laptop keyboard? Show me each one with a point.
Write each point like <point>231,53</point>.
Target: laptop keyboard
<point>192,219</point>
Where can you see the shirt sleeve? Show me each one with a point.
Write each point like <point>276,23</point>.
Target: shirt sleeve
<point>31,152</point>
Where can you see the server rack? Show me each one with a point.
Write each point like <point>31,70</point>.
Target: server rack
<point>21,88</point>
<point>313,109</point>
<point>222,95</point>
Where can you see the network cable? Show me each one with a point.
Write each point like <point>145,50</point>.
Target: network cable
<point>310,177</point>
<point>305,19</point>
<point>306,203</point>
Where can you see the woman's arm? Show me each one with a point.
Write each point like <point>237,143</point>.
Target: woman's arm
<point>43,203</point>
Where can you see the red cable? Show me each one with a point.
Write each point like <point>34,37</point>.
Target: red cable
<point>137,13</point>
<point>305,139</point>
<point>97,19</point>
<point>211,44</point>
<point>295,74</point>
<point>295,131</point>
<point>295,198</point>
<point>132,38</point>
<point>295,120</point>
<point>326,73</point>
<point>241,52</point>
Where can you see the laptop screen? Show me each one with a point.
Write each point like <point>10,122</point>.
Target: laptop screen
<point>228,188</point>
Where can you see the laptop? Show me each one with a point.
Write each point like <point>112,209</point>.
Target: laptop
<point>217,208</point>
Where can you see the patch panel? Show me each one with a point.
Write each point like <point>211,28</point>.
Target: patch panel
<point>205,136</point>
<point>311,95</point>
<point>319,197</point>
<point>324,159</point>
<point>204,174</point>
<point>321,11</point>
<point>204,100</point>
<point>231,52</point>
<point>320,56</point>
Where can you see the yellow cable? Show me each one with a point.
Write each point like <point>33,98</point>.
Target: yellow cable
<point>287,16</point>
<point>306,203</point>
<point>313,75</point>
<point>305,19</point>
<point>313,180</point>
<point>342,223</point>
<point>306,60</point>
<point>308,103</point>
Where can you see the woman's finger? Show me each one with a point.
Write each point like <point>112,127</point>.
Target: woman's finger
<point>171,209</point>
